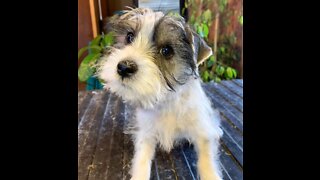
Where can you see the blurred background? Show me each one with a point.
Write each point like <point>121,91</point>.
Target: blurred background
<point>219,22</point>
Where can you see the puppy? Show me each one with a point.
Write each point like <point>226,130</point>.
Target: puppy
<point>154,66</point>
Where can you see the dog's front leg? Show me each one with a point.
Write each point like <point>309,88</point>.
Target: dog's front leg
<point>144,152</point>
<point>208,167</point>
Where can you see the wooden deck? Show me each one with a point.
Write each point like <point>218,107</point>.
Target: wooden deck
<point>105,152</point>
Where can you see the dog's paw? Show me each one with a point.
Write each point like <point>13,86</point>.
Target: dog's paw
<point>210,176</point>
<point>138,178</point>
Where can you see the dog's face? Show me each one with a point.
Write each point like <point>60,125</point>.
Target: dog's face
<point>154,54</point>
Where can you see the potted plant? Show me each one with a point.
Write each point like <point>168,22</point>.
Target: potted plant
<point>87,67</point>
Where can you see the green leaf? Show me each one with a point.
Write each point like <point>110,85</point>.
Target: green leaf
<point>199,27</point>
<point>211,75</point>
<point>182,11</point>
<point>85,72</point>
<point>205,76</point>
<point>108,39</point>
<point>241,20</point>
<point>95,50</point>
<point>217,79</point>
<point>212,58</point>
<point>210,62</point>
<point>234,72</point>
<point>229,72</point>
<point>96,41</point>
<point>222,49</point>
<point>205,30</point>
<point>217,69</point>
<point>207,15</point>
<point>192,19</point>
<point>200,31</point>
<point>174,14</point>
<point>220,70</point>
<point>222,5</point>
<point>86,68</point>
<point>196,25</point>
<point>221,8</point>
<point>82,50</point>
<point>223,2</point>
<point>226,75</point>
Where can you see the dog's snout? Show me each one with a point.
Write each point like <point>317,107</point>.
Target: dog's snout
<point>126,68</point>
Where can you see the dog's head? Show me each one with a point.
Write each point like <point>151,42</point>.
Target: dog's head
<point>154,54</point>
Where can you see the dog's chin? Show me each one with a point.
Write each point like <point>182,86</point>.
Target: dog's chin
<point>144,96</point>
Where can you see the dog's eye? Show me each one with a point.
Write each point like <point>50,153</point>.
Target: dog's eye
<point>130,37</point>
<point>167,51</point>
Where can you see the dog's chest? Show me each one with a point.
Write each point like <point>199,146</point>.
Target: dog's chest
<point>171,122</point>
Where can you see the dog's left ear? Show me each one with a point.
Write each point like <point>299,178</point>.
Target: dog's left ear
<point>200,48</point>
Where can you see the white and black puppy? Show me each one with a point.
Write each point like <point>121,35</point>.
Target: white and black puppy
<point>154,66</point>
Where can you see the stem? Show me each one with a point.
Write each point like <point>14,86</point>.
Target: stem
<point>216,28</point>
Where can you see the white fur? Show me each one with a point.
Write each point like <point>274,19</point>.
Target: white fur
<point>163,116</point>
<point>148,86</point>
<point>186,113</point>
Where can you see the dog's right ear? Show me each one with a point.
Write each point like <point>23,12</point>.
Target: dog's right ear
<point>201,50</point>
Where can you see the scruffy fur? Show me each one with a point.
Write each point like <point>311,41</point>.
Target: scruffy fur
<point>171,104</point>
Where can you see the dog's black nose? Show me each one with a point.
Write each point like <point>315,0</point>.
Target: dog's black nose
<point>126,68</point>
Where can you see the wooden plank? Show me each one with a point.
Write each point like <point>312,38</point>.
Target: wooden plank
<point>128,147</point>
<point>83,106</point>
<point>88,119</point>
<point>233,99</point>
<point>191,158</point>
<point>233,88</point>
<point>232,131</point>
<point>235,150</point>
<point>102,155</point>
<point>224,112</point>
<point>107,162</point>
<point>88,133</point>
<point>115,169</point>
<point>81,95</point>
<point>239,82</point>
<point>225,175</point>
<point>231,167</point>
<point>154,171</point>
<point>127,152</point>
<point>225,104</point>
<point>233,140</point>
<point>181,165</point>
<point>165,166</point>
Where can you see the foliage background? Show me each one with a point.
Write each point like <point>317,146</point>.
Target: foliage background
<point>219,22</point>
